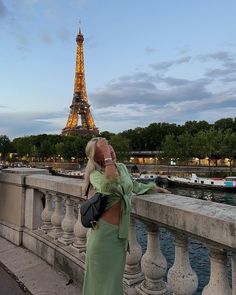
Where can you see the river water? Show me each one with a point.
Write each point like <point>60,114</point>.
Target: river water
<point>198,253</point>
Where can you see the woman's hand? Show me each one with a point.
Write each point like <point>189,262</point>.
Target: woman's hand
<point>105,156</point>
<point>103,148</point>
<point>162,190</point>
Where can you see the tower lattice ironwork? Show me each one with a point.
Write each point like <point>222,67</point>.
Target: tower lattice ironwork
<point>80,120</point>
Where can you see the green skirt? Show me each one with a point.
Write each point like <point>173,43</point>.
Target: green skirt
<point>105,261</point>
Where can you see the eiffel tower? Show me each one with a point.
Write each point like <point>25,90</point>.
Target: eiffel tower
<point>80,120</point>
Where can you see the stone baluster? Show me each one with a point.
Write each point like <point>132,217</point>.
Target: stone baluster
<point>218,283</point>
<point>57,218</point>
<point>154,265</point>
<point>68,223</point>
<point>80,233</point>
<point>47,213</point>
<point>182,279</point>
<point>233,273</point>
<point>133,273</point>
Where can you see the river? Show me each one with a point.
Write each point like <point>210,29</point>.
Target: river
<point>198,253</point>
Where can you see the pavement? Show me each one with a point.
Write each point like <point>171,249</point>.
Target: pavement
<point>22,272</point>
<point>9,285</point>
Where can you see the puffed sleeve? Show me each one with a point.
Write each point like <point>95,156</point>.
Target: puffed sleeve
<point>138,187</point>
<point>102,185</point>
<point>143,188</point>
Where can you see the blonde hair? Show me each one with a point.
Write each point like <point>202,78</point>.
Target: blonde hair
<point>91,164</point>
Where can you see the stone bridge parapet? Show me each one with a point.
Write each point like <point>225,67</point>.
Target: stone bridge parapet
<point>41,213</point>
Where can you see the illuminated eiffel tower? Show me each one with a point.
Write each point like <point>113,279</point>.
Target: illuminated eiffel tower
<point>80,120</point>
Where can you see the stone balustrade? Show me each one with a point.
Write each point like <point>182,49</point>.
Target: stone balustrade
<point>41,212</point>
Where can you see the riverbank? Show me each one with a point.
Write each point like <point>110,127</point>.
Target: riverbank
<point>185,170</point>
<point>159,169</point>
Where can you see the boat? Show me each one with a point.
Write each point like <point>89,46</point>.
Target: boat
<point>70,173</point>
<point>150,177</point>
<point>227,183</point>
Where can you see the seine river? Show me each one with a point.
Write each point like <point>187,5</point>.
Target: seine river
<point>197,252</point>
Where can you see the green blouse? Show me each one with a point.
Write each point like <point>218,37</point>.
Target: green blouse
<point>120,189</point>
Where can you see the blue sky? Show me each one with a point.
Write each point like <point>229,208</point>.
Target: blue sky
<point>146,61</point>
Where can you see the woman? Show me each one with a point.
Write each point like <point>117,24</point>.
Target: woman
<point>108,243</point>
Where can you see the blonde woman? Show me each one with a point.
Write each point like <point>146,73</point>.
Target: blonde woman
<point>108,243</point>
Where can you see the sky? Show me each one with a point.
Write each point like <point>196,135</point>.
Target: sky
<point>145,61</point>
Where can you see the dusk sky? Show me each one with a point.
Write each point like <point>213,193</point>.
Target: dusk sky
<point>145,61</point>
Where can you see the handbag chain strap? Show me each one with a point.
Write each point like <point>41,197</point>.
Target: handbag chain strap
<point>87,190</point>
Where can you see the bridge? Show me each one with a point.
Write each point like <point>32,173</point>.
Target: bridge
<point>40,213</point>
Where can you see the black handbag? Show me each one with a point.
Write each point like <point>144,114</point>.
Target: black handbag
<point>92,209</point>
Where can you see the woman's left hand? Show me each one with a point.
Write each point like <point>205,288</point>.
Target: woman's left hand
<point>162,190</point>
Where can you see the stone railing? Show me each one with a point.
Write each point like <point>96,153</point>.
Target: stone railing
<point>40,212</point>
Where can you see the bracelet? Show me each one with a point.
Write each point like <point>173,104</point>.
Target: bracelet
<point>107,159</point>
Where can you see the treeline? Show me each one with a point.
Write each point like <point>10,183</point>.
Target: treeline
<point>193,139</point>
<point>54,147</point>
<point>210,144</point>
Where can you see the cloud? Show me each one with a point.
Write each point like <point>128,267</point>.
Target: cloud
<point>165,65</point>
<point>3,9</point>
<point>63,34</point>
<point>144,97</point>
<point>223,56</point>
<point>30,2</point>
<point>225,71</point>
<point>122,117</point>
<point>45,37</point>
<point>150,50</point>
<point>28,123</point>
<point>78,2</point>
<point>151,89</point>
<point>22,43</point>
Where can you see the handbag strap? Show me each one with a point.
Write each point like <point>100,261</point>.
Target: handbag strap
<point>87,190</point>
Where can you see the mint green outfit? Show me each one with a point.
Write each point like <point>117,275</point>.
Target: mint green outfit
<point>108,244</point>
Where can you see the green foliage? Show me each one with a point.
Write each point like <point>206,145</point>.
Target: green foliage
<point>5,146</point>
<point>44,146</point>
<point>170,147</point>
<point>226,124</point>
<point>121,146</point>
<point>193,139</point>
<point>228,145</point>
<point>106,134</point>
<point>193,127</point>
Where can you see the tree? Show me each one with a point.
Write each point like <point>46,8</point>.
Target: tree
<point>59,147</point>
<point>170,147</point>
<point>22,146</point>
<point>206,144</point>
<point>46,149</point>
<point>228,147</point>
<point>34,152</point>
<point>225,124</point>
<point>80,145</point>
<point>185,146</point>
<point>5,146</point>
<point>135,138</point>
<point>106,134</point>
<point>121,146</point>
<point>193,127</point>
